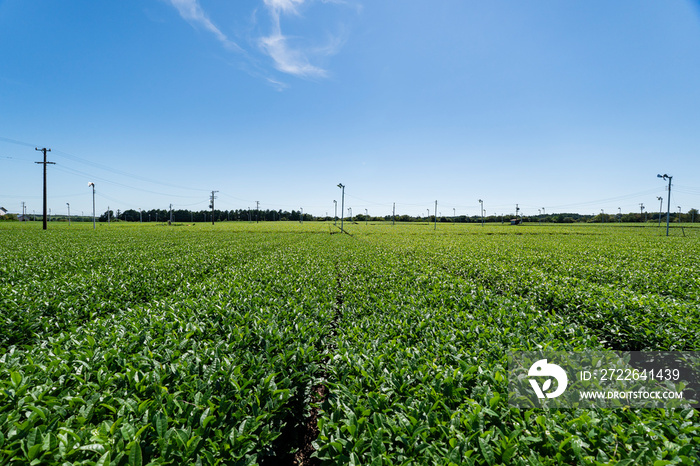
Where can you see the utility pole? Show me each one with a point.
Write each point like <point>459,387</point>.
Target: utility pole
<point>212,205</point>
<point>435,227</point>
<point>93,203</point>
<point>482,211</point>
<point>44,150</point>
<point>342,205</point>
<point>668,205</point>
<point>24,215</point>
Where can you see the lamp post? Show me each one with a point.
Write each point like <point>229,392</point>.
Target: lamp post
<point>668,204</point>
<point>436,212</point>
<point>661,206</point>
<point>350,213</point>
<point>482,212</point>
<point>342,204</point>
<point>679,214</point>
<point>68,204</point>
<point>335,212</point>
<point>93,203</point>
<point>619,214</point>
<point>366,216</point>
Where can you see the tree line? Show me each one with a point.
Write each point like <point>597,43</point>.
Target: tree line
<point>253,215</point>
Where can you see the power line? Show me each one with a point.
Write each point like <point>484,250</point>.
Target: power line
<point>100,166</point>
<point>14,141</point>
<point>79,172</point>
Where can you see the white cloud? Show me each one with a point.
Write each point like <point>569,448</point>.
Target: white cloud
<point>191,11</point>
<point>287,53</point>
<point>287,59</point>
<point>286,6</point>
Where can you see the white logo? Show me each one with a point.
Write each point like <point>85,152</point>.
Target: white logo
<point>542,369</point>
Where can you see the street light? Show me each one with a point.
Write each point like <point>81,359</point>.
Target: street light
<point>366,216</point>
<point>342,205</point>
<point>619,214</point>
<point>679,214</point>
<point>68,204</point>
<point>661,206</point>
<point>482,212</point>
<point>335,210</point>
<point>436,212</point>
<point>668,209</point>
<point>93,203</point>
<point>301,218</point>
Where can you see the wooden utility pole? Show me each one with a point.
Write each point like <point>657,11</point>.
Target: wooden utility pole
<point>44,150</point>
<point>212,206</point>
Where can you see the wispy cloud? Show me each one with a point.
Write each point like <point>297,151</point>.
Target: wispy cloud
<point>192,12</point>
<point>291,55</point>
<point>287,59</point>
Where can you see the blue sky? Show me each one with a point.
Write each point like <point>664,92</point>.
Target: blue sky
<point>570,106</point>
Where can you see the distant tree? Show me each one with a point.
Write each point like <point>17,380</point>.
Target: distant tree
<point>131,215</point>
<point>104,217</point>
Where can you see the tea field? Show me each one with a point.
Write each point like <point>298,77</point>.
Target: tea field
<point>281,343</point>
